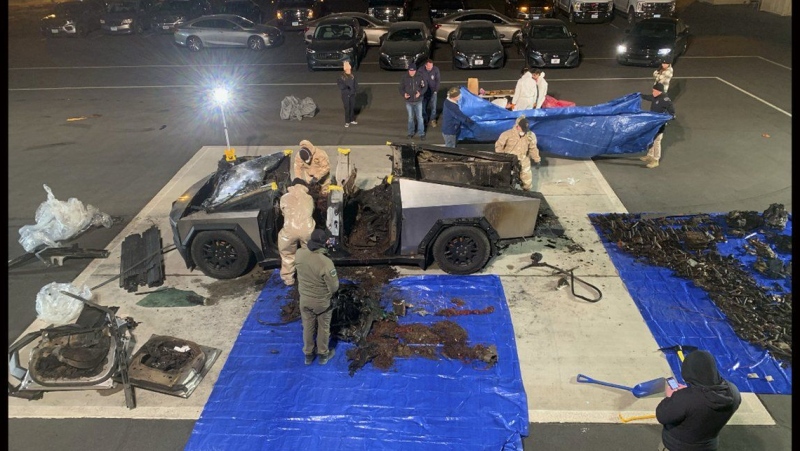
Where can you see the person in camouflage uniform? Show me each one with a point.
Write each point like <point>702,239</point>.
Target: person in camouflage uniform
<point>521,142</point>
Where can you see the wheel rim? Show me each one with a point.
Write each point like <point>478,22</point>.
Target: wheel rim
<point>256,44</point>
<point>219,254</point>
<point>194,44</point>
<point>461,251</point>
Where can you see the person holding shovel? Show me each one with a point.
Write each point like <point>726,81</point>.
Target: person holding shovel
<point>695,413</point>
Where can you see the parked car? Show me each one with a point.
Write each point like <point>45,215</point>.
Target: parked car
<point>226,30</point>
<point>72,18</point>
<point>244,8</point>
<point>506,27</point>
<point>530,9</point>
<point>548,43</point>
<point>440,8</point>
<point>407,43</point>
<point>126,16</point>
<point>168,14</point>
<point>581,11</point>
<point>652,39</point>
<point>295,14</point>
<point>389,10</point>
<point>475,213</point>
<point>374,29</point>
<point>335,41</point>
<point>476,45</point>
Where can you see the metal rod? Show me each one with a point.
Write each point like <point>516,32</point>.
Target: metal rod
<point>225,126</point>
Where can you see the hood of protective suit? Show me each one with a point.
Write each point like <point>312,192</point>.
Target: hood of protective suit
<point>699,370</point>
<point>307,144</point>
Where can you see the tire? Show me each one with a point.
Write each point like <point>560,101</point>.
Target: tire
<point>255,43</point>
<point>451,37</point>
<point>194,44</point>
<point>221,254</point>
<point>631,16</point>
<point>461,250</point>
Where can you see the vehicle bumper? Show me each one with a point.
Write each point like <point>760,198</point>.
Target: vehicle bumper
<point>639,60</point>
<point>571,60</point>
<point>396,63</point>
<point>293,24</point>
<point>591,16</point>
<point>117,29</point>
<point>534,15</point>
<point>63,30</point>
<point>654,14</point>
<point>478,62</point>
<point>316,63</point>
<point>163,28</point>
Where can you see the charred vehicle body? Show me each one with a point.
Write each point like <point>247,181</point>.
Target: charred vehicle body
<point>451,206</point>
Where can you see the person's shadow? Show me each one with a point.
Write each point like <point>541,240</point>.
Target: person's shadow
<point>363,99</point>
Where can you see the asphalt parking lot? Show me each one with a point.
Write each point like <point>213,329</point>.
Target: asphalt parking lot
<point>145,114</point>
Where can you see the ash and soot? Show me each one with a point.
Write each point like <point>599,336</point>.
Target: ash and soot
<point>687,245</point>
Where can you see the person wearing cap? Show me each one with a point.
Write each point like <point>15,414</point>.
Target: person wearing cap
<point>663,74</point>
<point>348,85</point>
<point>659,103</point>
<point>432,76</point>
<point>541,86</point>
<point>313,166</point>
<point>297,207</point>
<point>694,414</point>
<point>317,283</point>
<point>453,118</point>
<point>520,141</point>
<point>525,92</point>
<point>412,88</point>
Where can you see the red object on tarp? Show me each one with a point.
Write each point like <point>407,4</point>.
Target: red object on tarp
<point>552,102</point>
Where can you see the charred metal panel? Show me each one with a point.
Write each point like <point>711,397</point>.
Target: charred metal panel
<point>141,260</point>
<point>423,203</point>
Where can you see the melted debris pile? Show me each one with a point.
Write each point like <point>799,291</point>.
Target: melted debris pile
<point>687,245</point>
<point>368,222</point>
<point>168,355</point>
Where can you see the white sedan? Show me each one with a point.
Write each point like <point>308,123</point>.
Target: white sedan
<point>375,29</point>
<point>507,28</point>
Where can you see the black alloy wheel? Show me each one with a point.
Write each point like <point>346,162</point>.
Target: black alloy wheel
<point>461,250</point>
<point>221,254</point>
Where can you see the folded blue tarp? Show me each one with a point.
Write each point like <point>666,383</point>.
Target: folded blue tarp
<point>266,398</point>
<point>616,127</point>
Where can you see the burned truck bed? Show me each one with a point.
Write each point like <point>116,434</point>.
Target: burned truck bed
<point>455,207</point>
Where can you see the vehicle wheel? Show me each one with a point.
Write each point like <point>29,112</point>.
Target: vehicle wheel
<point>255,43</point>
<point>451,37</point>
<point>194,44</point>
<point>631,16</point>
<point>221,254</point>
<point>138,28</point>
<point>461,250</point>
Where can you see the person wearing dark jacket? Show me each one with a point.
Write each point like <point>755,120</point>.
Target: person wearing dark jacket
<point>412,88</point>
<point>347,86</point>
<point>431,75</point>
<point>317,283</point>
<point>694,414</point>
<point>659,103</point>
<point>453,118</point>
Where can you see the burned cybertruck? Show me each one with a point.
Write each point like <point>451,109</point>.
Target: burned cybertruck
<point>452,206</point>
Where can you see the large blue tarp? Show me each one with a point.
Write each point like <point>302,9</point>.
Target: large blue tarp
<point>616,127</point>
<point>678,312</point>
<point>267,398</point>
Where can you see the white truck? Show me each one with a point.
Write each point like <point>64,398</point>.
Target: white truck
<point>579,11</point>
<point>635,10</point>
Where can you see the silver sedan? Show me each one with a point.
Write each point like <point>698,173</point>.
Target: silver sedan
<point>375,29</point>
<point>226,30</point>
<point>507,28</point>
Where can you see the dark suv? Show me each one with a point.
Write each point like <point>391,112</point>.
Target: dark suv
<point>295,14</point>
<point>440,8</point>
<point>126,16</point>
<point>335,41</point>
<point>530,9</point>
<point>389,10</point>
<point>168,14</point>
<point>73,18</point>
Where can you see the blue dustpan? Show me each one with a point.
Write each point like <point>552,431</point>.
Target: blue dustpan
<point>639,390</point>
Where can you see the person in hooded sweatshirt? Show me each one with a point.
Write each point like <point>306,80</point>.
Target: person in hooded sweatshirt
<point>694,414</point>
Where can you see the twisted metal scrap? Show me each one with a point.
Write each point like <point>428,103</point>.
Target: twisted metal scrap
<point>687,245</point>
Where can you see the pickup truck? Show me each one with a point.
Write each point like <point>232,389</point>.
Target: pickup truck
<point>452,206</point>
<point>579,11</point>
<point>636,10</point>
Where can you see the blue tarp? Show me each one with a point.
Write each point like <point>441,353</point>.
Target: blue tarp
<point>616,127</point>
<point>678,312</point>
<point>267,398</point>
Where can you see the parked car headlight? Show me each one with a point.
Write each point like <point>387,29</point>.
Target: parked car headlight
<point>70,22</point>
<point>536,53</point>
<point>523,9</point>
<point>385,55</point>
<point>622,48</point>
<point>126,21</point>
<point>497,53</point>
<point>434,11</point>
<point>672,7</point>
<point>311,51</point>
<point>577,7</point>
<point>663,52</point>
<point>371,11</point>
<point>279,15</point>
<point>419,55</point>
<point>400,13</point>
<point>309,13</point>
<point>350,50</point>
<point>461,54</point>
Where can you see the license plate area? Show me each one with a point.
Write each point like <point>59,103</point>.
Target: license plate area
<point>594,16</point>
<point>656,16</point>
<point>294,24</point>
<point>555,61</point>
<point>478,62</point>
<point>54,30</point>
<point>113,28</point>
<point>165,27</point>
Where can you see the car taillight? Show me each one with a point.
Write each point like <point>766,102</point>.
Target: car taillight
<point>436,26</point>
<point>305,30</point>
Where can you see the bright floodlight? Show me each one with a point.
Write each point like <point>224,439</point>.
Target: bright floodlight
<point>220,96</point>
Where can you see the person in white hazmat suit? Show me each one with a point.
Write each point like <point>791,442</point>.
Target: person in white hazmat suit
<point>297,207</point>
<point>525,92</point>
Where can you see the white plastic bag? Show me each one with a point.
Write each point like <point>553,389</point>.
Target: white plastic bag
<point>57,308</point>
<point>58,220</point>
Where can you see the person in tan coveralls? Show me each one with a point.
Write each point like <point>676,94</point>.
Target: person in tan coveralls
<point>521,142</point>
<point>312,165</point>
<point>317,283</point>
<point>297,207</point>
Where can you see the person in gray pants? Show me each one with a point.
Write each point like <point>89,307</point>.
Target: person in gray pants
<point>317,283</point>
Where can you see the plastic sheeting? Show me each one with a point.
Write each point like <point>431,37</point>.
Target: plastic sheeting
<point>267,398</point>
<point>616,127</point>
<point>677,312</point>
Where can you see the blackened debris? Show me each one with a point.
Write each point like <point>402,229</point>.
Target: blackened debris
<point>369,221</point>
<point>686,246</point>
<point>776,216</point>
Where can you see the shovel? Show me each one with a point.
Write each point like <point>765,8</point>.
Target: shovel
<point>639,390</point>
